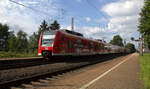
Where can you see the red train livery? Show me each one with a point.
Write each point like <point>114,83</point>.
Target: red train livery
<point>65,42</point>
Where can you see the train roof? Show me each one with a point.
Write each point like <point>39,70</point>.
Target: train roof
<point>81,35</point>
<point>49,32</point>
<point>78,35</point>
<point>73,32</point>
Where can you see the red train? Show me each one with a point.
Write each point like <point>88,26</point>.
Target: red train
<point>65,42</point>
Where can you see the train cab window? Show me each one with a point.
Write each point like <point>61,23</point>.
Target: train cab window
<point>48,38</point>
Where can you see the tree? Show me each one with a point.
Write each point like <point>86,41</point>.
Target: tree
<point>22,41</point>
<point>117,40</point>
<point>33,41</point>
<point>131,47</point>
<point>36,36</point>
<point>54,26</point>
<point>12,42</point>
<point>4,37</point>
<point>144,26</point>
<point>44,26</point>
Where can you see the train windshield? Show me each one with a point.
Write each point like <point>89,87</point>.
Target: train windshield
<point>48,38</point>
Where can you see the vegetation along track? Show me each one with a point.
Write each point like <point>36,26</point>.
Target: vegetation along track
<point>12,75</point>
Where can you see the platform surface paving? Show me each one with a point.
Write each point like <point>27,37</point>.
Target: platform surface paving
<point>120,73</point>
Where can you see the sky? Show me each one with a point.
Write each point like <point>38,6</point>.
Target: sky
<point>95,19</point>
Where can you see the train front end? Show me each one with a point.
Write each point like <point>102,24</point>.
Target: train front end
<point>46,41</point>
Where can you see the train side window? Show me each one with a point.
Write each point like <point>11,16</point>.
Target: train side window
<point>96,47</point>
<point>101,47</point>
<point>63,38</point>
<point>105,47</point>
<point>69,44</point>
<point>79,41</point>
<point>89,45</point>
<point>74,44</point>
<point>82,44</point>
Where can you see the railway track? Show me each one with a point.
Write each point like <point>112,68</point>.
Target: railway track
<point>9,76</point>
<point>11,64</point>
<point>16,63</point>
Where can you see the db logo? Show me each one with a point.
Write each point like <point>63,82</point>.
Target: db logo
<point>46,48</point>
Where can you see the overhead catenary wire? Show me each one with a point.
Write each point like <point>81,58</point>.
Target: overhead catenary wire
<point>36,10</point>
<point>28,7</point>
<point>98,11</point>
<point>92,5</point>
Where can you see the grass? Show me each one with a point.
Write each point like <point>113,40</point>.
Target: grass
<point>16,54</point>
<point>145,64</point>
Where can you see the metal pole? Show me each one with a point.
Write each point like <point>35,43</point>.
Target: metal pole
<point>124,42</point>
<point>142,45</point>
<point>72,24</point>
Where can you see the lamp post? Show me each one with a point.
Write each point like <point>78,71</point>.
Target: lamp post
<point>140,40</point>
<point>141,44</point>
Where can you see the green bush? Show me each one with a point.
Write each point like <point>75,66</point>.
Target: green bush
<point>16,54</point>
<point>145,64</point>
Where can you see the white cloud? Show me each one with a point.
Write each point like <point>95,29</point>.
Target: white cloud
<point>19,17</point>
<point>123,20</point>
<point>66,27</point>
<point>88,19</point>
<point>124,15</point>
<point>91,32</point>
<point>123,8</point>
